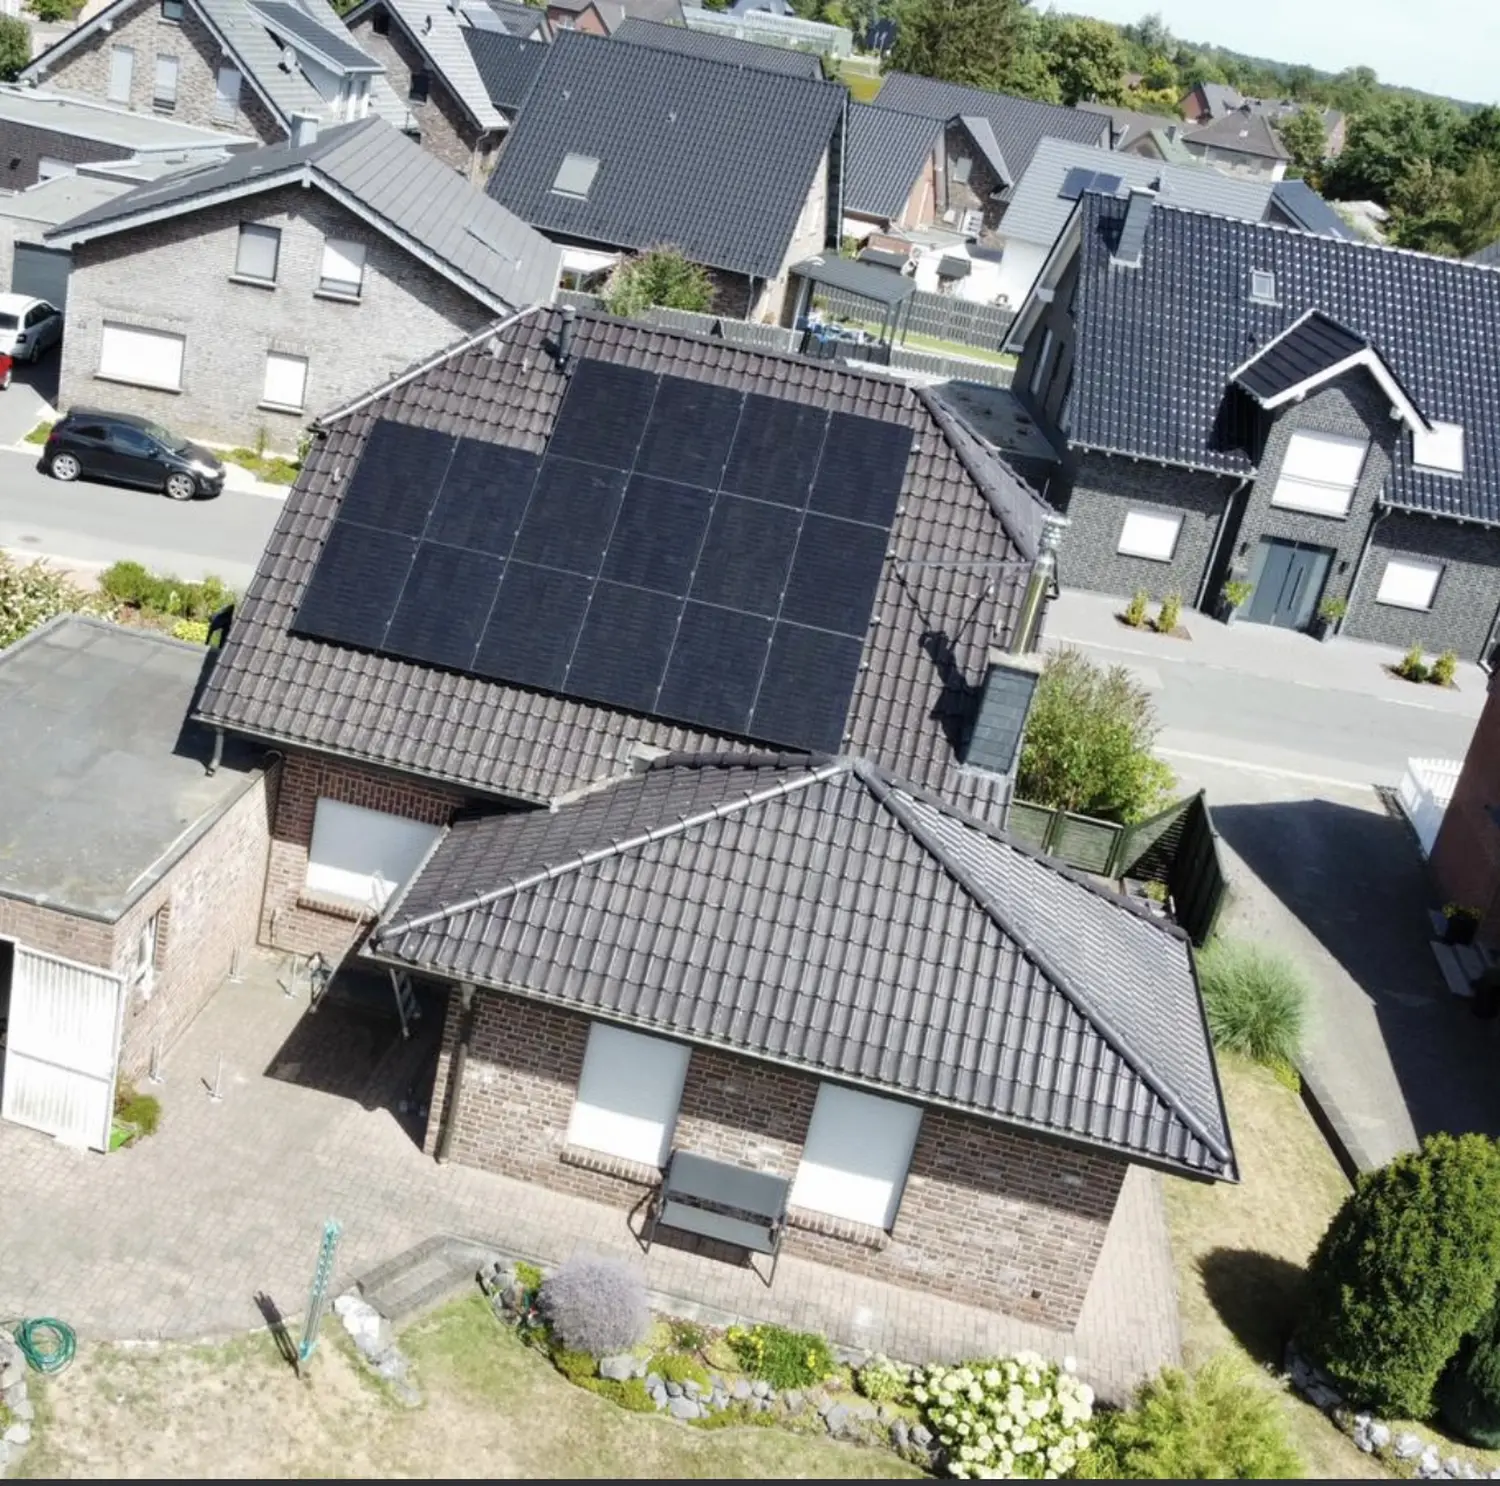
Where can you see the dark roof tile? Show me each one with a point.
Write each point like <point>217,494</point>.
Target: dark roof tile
<point>717,48</point>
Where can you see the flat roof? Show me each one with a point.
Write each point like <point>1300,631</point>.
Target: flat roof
<point>62,198</point>
<point>103,782</point>
<point>42,108</point>
<point>887,286</point>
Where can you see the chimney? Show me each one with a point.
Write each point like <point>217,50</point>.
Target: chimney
<point>565,337</point>
<point>1133,229</point>
<point>304,129</point>
<point>1039,585</point>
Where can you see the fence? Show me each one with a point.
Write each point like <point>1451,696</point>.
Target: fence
<point>941,316</point>
<point>1426,790</point>
<point>735,332</point>
<point>773,30</point>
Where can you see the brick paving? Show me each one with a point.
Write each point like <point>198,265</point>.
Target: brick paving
<point>175,1238</point>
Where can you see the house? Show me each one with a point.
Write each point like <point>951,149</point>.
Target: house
<point>1298,205</point>
<point>131,875</point>
<point>718,47</point>
<point>553,648</point>
<point>1465,858</point>
<point>1133,132</point>
<point>1242,142</point>
<point>605,17</point>
<point>230,303</point>
<point>245,67</point>
<point>1243,400</point>
<point>624,147</point>
<point>1206,102</point>
<point>507,66</point>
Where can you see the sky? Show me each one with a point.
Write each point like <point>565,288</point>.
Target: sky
<point>1450,47</point>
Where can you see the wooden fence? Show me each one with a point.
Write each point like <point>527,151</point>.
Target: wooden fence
<point>941,316</point>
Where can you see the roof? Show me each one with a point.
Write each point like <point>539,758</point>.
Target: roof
<point>719,48</point>
<point>714,158</point>
<point>1245,131</point>
<point>1156,346</point>
<point>301,31</point>
<point>884,153</point>
<point>886,286</point>
<point>507,65</point>
<point>1130,125</point>
<point>61,198</point>
<point>962,542</point>
<point>1304,208</point>
<point>392,182</point>
<point>104,785</point>
<point>1038,212</point>
<point>1220,98</point>
<point>1019,124</point>
<point>1489,256</point>
<point>718,900</point>
<point>513,17</point>
<point>82,118</point>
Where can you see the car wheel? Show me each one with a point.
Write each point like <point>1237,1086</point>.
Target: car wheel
<point>181,487</point>
<point>65,467</point>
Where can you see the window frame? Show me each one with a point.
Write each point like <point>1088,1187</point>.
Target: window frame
<point>162,102</point>
<point>1284,493</point>
<point>841,1117</point>
<point>335,822</point>
<point>251,232</point>
<point>611,1055</point>
<point>1430,452</point>
<point>1156,518</point>
<point>168,16</point>
<point>419,89</point>
<point>266,400</point>
<point>129,378</point>
<point>1259,295</point>
<point>128,52</point>
<point>1410,564</point>
<point>580,163</point>
<point>1039,372</point>
<point>334,288</point>
<point>226,106</point>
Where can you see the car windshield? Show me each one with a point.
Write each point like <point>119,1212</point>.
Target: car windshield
<point>165,437</point>
<point>10,322</point>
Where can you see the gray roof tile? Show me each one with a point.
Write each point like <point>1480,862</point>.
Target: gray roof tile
<point>507,65</point>
<point>718,48</point>
<point>435,29</point>
<point>821,914</point>
<point>1244,130</point>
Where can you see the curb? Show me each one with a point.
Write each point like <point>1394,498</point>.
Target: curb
<point>1348,1150</point>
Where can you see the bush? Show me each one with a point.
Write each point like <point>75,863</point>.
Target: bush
<point>673,1367</point>
<point>54,10</point>
<point>881,1380</point>
<point>1236,593</point>
<point>784,1359</point>
<point>1016,1416</point>
<point>1171,614</point>
<point>31,594</point>
<point>1220,1423</point>
<point>141,1110</point>
<point>15,46</point>
<point>1469,1392</point>
<point>194,631</point>
<point>1135,610</point>
<point>1444,669</point>
<point>1406,1270</point>
<point>687,1336</point>
<point>1255,999</point>
<point>629,1393</point>
<point>1412,666</point>
<point>1088,742</point>
<point>576,1367</point>
<point>528,1276</point>
<point>162,594</point>
<point>596,1306</point>
<point>659,276</point>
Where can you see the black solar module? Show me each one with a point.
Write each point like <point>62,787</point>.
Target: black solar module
<point>715,668</point>
<point>533,626</point>
<point>1108,184</point>
<point>355,585</point>
<point>835,574</point>
<point>397,478</point>
<point>804,694</point>
<point>571,515</point>
<point>623,648</point>
<point>776,451</point>
<point>1075,183</point>
<point>483,498</point>
<point>657,535</point>
<point>603,414</point>
<point>692,426</point>
<point>746,555</point>
<point>444,606</point>
<point>862,470</point>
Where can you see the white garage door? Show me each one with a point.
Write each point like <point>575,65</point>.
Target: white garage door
<point>62,1045</point>
<point>42,272</point>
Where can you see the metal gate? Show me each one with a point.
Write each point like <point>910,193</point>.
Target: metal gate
<point>63,1043</point>
<point>42,272</point>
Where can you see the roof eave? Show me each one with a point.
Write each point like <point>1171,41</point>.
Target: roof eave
<point>1370,360</point>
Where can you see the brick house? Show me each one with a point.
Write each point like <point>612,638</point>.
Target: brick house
<point>1242,142</point>
<point>439,721</point>
<point>1241,400</point>
<point>752,157</point>
<point>132,873</point>
<point>236,301</point>
<point>1466,854</point>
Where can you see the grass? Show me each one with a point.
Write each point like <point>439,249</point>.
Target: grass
<point>269,467</point>
<point>1256,1001</point>
<point>862,87</point>
<point>915,341</point>
<point>38,435</point>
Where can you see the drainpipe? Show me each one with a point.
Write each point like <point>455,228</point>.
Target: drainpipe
<point>1359,567</point>
<point>1039,585</point>
<point>1213,556</point>
<point>456,1074</point>
<point>217,756</point>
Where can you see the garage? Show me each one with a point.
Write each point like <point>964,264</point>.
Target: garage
<point>41,272</point>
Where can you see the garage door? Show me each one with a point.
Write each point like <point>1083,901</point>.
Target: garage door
<point>62,1046</point>
<point>42,272</point>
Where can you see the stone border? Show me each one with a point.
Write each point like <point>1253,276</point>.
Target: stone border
<point>15,1396</point>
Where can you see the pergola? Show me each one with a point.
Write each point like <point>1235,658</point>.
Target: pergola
<point>888,288</point>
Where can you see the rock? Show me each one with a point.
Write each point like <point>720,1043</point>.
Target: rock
<point>1408,1446</point>
<point>658,1395</point>
<point>692,1389</point>
<point>13,1393</point>
<point>12,1375</point>
<point>638,1368</point>
<point>19,1433</point>
<point>1453,1466</point>
<point>653,1382</point>
<point>900,1434</point>
<point>760,1388</point>
<point>25,1409</point>
<point>1321,1396</point>
<point>742,1389</point>
<point>1428,1463</point>
<point>719,1398</point>
<point>716,1382</point>
<point>836,1417</point>
<point>674,1390</point>
<point>1468,1471</point>
<point>684,1408</point>
<point>921,1436</point>
<point>617,1368</point>
<point>864,1411</point>
<point>792,1401</point>
<point>1380,1434</point>
<point>761,1405</point>
<point>772,1395</point>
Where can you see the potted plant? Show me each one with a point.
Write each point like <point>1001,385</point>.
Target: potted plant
<point>1330,613</point>
<point>1462,922</point>
<point>1235,594</point>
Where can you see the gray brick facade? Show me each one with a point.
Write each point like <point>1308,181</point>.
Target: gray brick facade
<point>178,276</point>
<point>22,149</point>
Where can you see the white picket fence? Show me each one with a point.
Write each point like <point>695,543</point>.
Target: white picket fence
<point>1426,788</point>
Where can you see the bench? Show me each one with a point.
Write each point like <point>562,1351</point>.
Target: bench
<point>724,1202</point>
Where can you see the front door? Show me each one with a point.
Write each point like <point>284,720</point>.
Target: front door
<point>1288,577</point>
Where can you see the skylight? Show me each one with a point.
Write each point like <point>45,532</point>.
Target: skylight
<point>1442,449</point>
<point>1262,286</point>
<point>575,175</point>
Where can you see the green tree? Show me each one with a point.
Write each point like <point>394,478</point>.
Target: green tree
<point>1305,138</point>
<point>1088,60</point>
<point>1452,212</point>
<point>659,276</point>
<point>1088,742</point>
<point>54,10</point>
<point>15,46</point>
<point>1162,101</point>
<point>978,43</point>
<point>1159,74</point>
<point>1480,133</point>
<point>1386,139</point>
<point>1469,1393</point>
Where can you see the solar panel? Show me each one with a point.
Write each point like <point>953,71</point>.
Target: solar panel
<point>483,497</point>
<point>862,470</point>
<point>397,478</point>
<point>657,535</point>
<point>715,668</point>
<point>623,648</point>
<point>355,585</point>
<point>692,426</point>
<point>603,413</point>
<point>835,575</point>
<point>1075,183</point>
<point>1109,184</point>
<point>572,511</point>
<point>804,694</point>
<point>533,626</point>
<point>776,450</point>
<point>746,555</point>
<point>441,614</point>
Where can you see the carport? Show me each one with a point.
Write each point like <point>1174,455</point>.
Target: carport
<point>886,290</point>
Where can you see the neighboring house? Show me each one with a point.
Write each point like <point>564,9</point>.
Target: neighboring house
<point>1466,855</point>
<point>238,65</point>
<point>605,710</point>
<point>1242,142</point>
<point>1209,101</point>
<point>132,873</point>
<point>1308,414</point>
<point>1131,131</point>
<point>1298,205</point>
<point>719,48</point>
<point>1489,256</point>
<point>234,302</point>
<point>624,147</point>
<point>507,66</point>
<point>605,17</point>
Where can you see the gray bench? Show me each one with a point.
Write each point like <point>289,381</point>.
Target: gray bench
<point>728,1203</point>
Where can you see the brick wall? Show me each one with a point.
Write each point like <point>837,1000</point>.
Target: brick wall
<point>977,192</point>
<point>288,919</point>
<point>1048,403</point>
<point>176,276</point>
<point>86,68</point>
<point>921,209</point>
<point>988,1216</point>
<point>51,932</point>
<point>22,148</point>
<point>1466,854</point>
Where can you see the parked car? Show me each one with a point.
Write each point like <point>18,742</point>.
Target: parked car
<point>28,327</point>
<point>5,368</point>
<point>132,451</point>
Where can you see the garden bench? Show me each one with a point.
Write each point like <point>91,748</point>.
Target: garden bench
<point>716,1200</point>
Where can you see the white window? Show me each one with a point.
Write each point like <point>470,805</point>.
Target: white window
<point>48,169</point>
<point>286,381</point>
<point>165,95</point>
<point>171,10</point>
<point>1039,371</point>
<point>121,65</point>
<point>1262,286</point>
<point>575,176</point>
<point>855,1160</point>
<point>343,268</point>
<point>149,358</point>
<point>1319,472</point>
<point>141,972</point>
<point>1150,534</point>
<point>1408,584</point>
<point>628,1095</point>
<point>1442,449</point>
<point>226,95</point>
<point>364,856</point>
<point>258,252</point>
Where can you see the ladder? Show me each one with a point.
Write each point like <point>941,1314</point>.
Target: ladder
<point>406,1000</point>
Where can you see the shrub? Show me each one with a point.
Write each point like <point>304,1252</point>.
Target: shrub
<point>659,276</point>
<point>1469,1392</point>
<point>1406,1270</point>
<point>674,1367</point>
<point>1332,609</point>
<point>1135,610</point>
<point>881,1380</point>
<point>1220,1423</point>
<point>687,1336</point>
<point>1014,1416</point>
<point>31,594</point>
<point>1088,742</point>
<point>785,1359</point>
<point>1444,669</point>
<point>1256,1001</point>
<point>141,1110</point>
<point>629,1393</point>
<point>595,1305</point>
<point>1171,614</point>
<point>15,46</point>
<point>1236,593</point>
<point>159,593</point>
<point>528,1276</point>
<point>194,631</point>
<point>576,1367</point>
<point>1412,666</point>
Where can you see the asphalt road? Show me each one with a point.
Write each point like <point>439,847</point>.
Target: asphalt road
<point>88,525</point>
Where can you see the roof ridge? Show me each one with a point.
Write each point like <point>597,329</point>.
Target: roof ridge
<point>573,37</point>
<point>719,811</point>
<point>886,791</point>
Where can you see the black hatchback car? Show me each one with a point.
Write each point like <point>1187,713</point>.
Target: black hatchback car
<point>132,451</point>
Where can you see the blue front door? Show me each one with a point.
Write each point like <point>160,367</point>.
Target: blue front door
<point>1288,578</point>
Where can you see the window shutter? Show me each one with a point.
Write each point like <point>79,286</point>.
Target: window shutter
<point>151,358</point>
<point>628,1095</point>
<point>121,65</point>
<point>260,247</point>
<point>286,380</point>
<point>343,266</point>
<point>166,79</point>
<point>364,856</point>
<point>1150,534</point>
<point>856,1156</point>
<point>1408,584</point>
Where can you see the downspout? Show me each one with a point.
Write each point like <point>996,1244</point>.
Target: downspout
<point>456,1073</point>
<point>217,757</point>
<point>1213,556</point>
<point>1359,566</point>
<point>1039,586</point>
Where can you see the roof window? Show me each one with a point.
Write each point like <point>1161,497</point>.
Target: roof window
<point>1442,449</point>
<point>575,175</point>
<point>1262,286</point>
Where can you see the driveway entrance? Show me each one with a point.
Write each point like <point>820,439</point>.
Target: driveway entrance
<point>1288,577</point>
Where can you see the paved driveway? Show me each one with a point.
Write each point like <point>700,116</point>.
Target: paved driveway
<point>30,398</point>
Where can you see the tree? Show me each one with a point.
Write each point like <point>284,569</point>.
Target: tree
<point>1150,33</point>
<point>978,43</point>
<point>1452,212</point>
<point>1160,75</point>
<point>1386,139</point>
<point>659,276</point>
<point>1469,1393</point>
<point>1480,133</point>
<point>15,46</point>
<point>1161,101</point>
<point>1088,60</point>
<point>1088,742</point>
<point>1305,138</point>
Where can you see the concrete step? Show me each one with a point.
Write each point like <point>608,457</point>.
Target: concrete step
<point>1458,964</point>
<point>432,1271</point>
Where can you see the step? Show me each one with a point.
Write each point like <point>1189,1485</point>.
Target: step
<point>1456,971</point>
<point>432,1271</point>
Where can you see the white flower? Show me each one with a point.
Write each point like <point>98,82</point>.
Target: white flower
<point>1070,1364</point>
<point>919,1394</point>
<point>992,1377</point>
<point>1086,1396</point>
<point>1083,1439</point>
<point>1037,1408</point>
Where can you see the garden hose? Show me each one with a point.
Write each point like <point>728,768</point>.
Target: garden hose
<point>48,1345</point>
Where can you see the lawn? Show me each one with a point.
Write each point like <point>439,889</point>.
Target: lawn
<point>492,1408</point>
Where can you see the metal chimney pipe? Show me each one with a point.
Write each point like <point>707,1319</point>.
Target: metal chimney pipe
<point>1038,585</point>
<point>565,336</point>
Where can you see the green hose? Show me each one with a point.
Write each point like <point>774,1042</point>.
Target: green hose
<point>48,1345</point>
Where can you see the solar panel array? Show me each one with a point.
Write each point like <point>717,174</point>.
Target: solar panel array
<point>1079,179</point>
<point>684,550</point>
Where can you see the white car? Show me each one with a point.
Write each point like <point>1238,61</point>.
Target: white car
<point>28,327</point>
